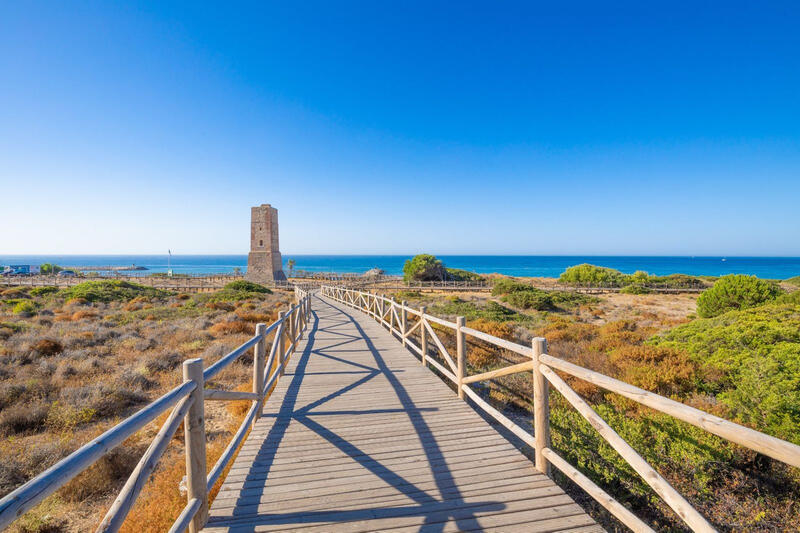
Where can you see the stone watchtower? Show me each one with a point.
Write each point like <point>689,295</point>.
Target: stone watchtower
<point>264,262</point>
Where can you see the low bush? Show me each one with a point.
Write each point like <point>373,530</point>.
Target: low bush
<point>586,274</point>
<point>25,308</point>
<point>528,297</point>
<point>23,418</point>
<point>456,274</point>
<point>469,310</point>
<point>635,289</point>
<point>229,327</point>
<point>735,291</point>
<point>593,275</point>
<point>751,362</point>
<point>246,286</point>
<point>15,292</point>
<point>407,295</point>
<point>664,370</point>
<point>235,291</point>
<point>83,314</point>
<point>111,291</point>
<point>47,347</point>
<point>43,291</point>
<point>63,418</point>
<point>108,471</point>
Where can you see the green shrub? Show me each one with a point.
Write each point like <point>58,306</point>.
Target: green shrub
<point>535,299</point>
<point>735,291</point>
<point>751,361</point>
<point>407,295</point>
<point>424,267</point>
<point>529,297</point>
<point>456,274</point>
<point>471,311</point>
<point>50,268</point>
<point>246,286</point>
<point>587,274</point>
<point>111,291</point>
<point>794,281</point>
<point>635,289</point>
<point>789,298</point>
<point>25,307</point>
<point>505,286</point>
<point>236,291</point>
<point>42,291</point>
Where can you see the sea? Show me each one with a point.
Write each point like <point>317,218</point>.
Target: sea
<point>512,265</point>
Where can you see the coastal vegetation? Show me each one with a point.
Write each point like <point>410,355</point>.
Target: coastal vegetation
<point>525,296</point>
<point>426,267</point>
<point>742,364</point>
<point>735,291</point>
<point>50,268</point>
<point>638,283</point>
<point>74,362</point>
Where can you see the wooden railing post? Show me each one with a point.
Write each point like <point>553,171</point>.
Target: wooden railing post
<point>280,338</point>
<point>461,351</point>
<point>541,407</point>
<point>259,355</point>
<point>391,316</point>
<point>301,319</point>
<point>195,442</point>
<point>292,326</point>
<point>423,343</point>
<point>403,319</point>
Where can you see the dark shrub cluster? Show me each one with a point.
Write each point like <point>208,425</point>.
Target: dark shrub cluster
<point>528,297</point>
<point>735,291</point>
<point>111,291</point>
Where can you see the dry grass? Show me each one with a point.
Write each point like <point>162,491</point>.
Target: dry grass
<point>76,368</point>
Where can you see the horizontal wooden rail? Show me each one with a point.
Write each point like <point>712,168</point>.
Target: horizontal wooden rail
<point>662,487</point>
<point>602,497</point>
<point>186,516</point>
<point>545,364</point>
<point>749,438</point>
<point>187,400</point>
<point>210,372</point>
<point>527,366</point>
<point>214,394</point>
<point>15,504</point>
<point>124,502</point>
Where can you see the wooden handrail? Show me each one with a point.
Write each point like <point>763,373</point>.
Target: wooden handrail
<point>749,438</point>
<point>542,365</point>
<point>187,400</point>
<point>124,502</point>
<point>16,503</point>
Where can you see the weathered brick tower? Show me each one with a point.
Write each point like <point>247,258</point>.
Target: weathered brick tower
<point>264,261</point>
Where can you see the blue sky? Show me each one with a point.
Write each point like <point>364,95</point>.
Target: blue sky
<point>477,128</point>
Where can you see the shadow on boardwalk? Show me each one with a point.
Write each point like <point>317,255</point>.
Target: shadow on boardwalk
<point>343,444</point>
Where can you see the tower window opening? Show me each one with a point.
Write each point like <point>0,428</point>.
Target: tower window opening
<point>261,243</point>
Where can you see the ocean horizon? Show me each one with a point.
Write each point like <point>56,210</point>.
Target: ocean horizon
<point>511,265</point>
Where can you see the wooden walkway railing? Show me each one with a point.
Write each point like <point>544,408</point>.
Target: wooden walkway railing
<point>402,320</point>
<point>187,403</point>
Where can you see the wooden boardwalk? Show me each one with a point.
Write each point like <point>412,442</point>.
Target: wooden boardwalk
<point>358,436</point>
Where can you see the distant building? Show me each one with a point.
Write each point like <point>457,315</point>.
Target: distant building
<point>264,260</point>
<point>22,270</point>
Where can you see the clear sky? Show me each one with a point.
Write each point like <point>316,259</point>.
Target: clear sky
<point>374,127</point>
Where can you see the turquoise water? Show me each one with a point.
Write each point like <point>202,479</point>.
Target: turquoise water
<point>513,265</point>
